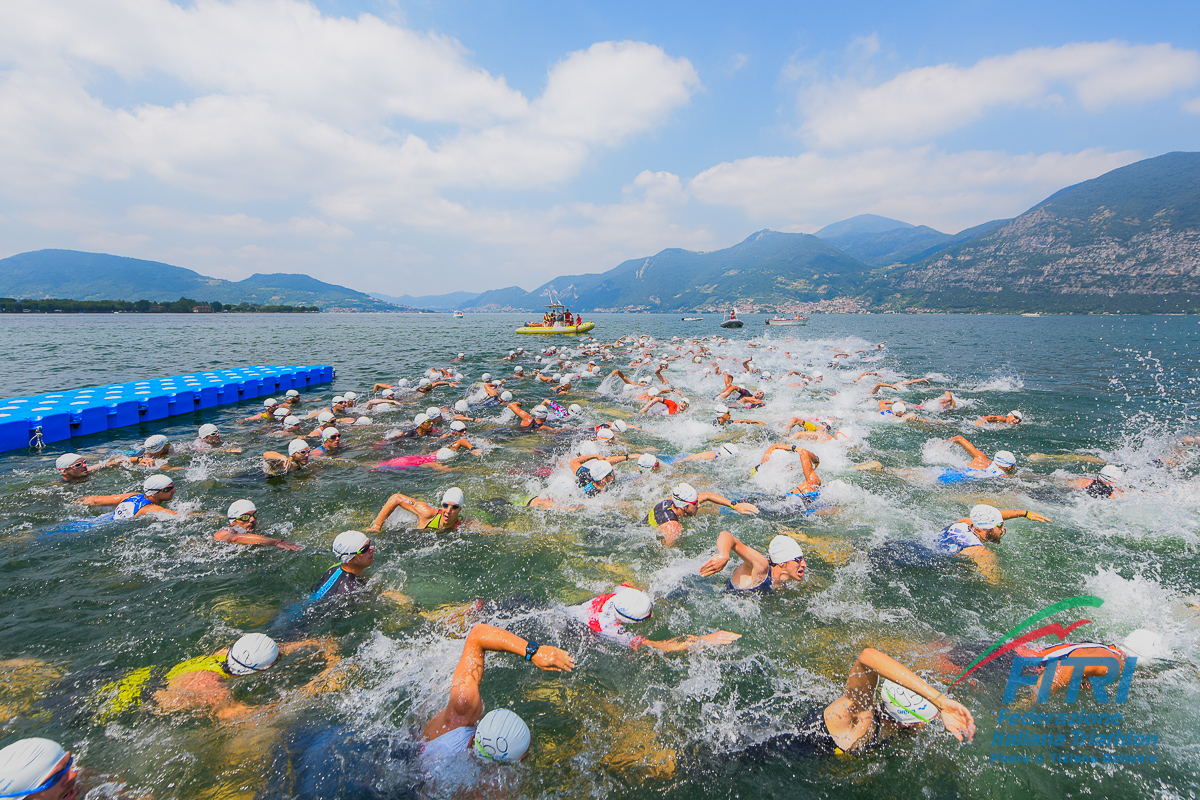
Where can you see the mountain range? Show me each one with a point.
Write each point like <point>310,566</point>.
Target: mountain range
<point>73,275</point>
<point>1128,240</point>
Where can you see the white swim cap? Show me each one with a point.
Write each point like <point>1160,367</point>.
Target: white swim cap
<point>387,393</point>
<point>239,507</point>
<point>458,376</point>
<point>462,406</point>
<point>252,653</point>
<point>644,381</point>
<point>518,369</point>
<point>816,373</point>
<point>1111,474</point>
<point>1004,458</point>
<point>632,605</point>
<point>25,765</point>
<point>986,517</point>
<point>325,416</point>
<point>502,736</point>
<point>1145,645</point>
<point>337,399</point>
<point>898,407</point>
<point>697,360</point>
<point>1017,414</point>
<point>156,483</point>
<point>328,433</point>
<point>620,425</point>
<point>653,391</point>
<point>291,393</point>
<point>458,426</point>
<point>453,495</point>
<point>728,450</point>
<point>363,421</point>
<point>485,377</point>
<point>66,460</point>
<point>281,413</point>
<point>402,383</point>
<point>207,430</point>
<point>540,412</point>
<point>348,544</point>
<point>270,402</point>
<point>156,443</point>
<point>589,448</point>
<point>783,549</point>
<point>605,434</point>
<point>297,446</point>
<point>599,469</point>
<point>446,454</point>
<point>290,420</point>
<point>564,380</point>
<point>683,494</point>
<point>350,396</point>
<point>506,397</point>
<point>424,382</point>
<point>647,461</point>
<point>574,409</point>
<point>721,410</point>
<point>433,412</point>
<point>904,705</point>
<point>766,376</point>
<point>420,419</point>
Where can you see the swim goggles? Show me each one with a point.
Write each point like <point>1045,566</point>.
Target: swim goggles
<point>51,781</point>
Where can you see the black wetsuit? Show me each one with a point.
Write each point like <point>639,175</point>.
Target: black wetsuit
<point>661,514</point>
<point>1098,488</point>
<point>337,581</point>
<point>812,739</point>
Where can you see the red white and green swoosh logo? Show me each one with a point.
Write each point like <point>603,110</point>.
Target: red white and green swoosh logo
<point>1007,642</point>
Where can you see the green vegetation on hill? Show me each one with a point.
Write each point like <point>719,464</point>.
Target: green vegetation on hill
<point>98,276</point>
<point>183,305</point>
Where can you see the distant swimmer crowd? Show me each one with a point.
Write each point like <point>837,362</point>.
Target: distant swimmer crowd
<point>583,399</point>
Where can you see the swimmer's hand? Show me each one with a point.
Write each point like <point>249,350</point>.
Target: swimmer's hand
<point>720,637</point>
<point>745,508</point>
<point>282,545</point>
<point>957,719</point>
<point>714,565</point>
<point>1036,517</point>
<point>551,659</point>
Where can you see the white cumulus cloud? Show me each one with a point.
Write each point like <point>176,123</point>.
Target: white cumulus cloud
<point>929,101</point>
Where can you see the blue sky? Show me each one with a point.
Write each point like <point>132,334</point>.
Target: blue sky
<point>428,147</point>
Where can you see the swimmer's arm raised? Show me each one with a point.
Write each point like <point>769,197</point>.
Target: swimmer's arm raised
<point>873,664</point>
<point>395,501</point>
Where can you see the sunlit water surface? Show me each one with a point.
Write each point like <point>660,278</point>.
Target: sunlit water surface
<point>81,608</point>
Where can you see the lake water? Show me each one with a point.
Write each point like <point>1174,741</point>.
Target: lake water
<point>84,607</point>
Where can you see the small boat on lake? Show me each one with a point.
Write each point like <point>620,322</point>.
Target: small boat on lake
<point>458,315</point>
<point>733,321</point>
<point>692,319</point>
<point>796,320</point>
<point>558,320</point>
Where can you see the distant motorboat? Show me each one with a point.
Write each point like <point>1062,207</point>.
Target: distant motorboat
<point>1031,314</point>
<point>796,320</point>
<point>458,315</point>
<point>692,319</point>
<point>733,321</point>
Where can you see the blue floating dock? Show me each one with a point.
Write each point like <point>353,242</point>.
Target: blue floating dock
<point>79,412</point>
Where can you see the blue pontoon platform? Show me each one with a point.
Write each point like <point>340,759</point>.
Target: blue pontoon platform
<point>56,416</point>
